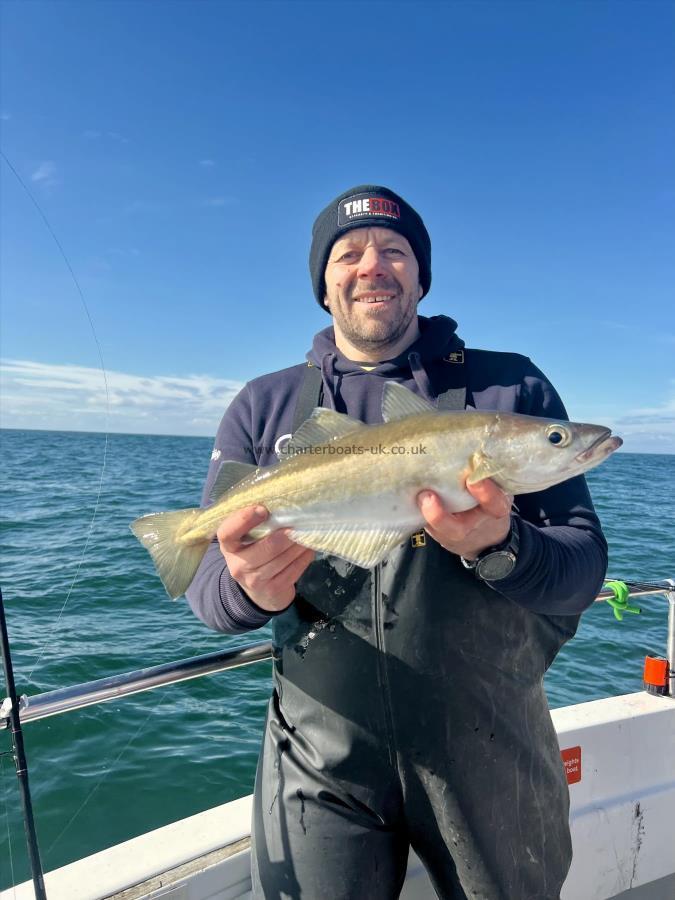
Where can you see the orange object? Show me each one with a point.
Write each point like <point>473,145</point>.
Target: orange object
<point>655,675</point>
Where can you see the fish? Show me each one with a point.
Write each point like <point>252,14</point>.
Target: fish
<point>348,489</point>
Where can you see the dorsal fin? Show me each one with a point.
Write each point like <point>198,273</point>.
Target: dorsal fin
<point>399,402</point>
<point>322,426</point>
<point>229,474</point>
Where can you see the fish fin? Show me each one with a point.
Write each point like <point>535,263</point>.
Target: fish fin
<point>481,467</point>
<point>399,402</point>
<point>322,426</point>
<point>176,563</point>
<point>365,547</point>
<point>229,474</point>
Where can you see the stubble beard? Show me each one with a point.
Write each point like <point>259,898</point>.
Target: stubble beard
<point>371,334</point>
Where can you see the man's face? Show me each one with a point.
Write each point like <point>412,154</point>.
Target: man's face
<point>372,286</point>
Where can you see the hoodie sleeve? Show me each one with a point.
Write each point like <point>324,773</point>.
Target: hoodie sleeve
<point>562,558</point>
<point>214,595</point>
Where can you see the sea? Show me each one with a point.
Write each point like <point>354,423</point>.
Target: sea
<point>83,602</point>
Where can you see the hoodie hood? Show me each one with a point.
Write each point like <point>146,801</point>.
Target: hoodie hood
<point>342,389</point>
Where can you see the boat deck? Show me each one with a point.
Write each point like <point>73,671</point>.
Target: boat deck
<point>622,772</point>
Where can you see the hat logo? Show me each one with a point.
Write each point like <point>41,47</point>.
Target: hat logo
<point>362,206</point>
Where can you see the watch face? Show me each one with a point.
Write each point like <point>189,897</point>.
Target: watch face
<point>496,565</point>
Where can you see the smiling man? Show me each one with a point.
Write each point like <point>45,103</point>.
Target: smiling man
<point>372,291</point>
<point>408,704</point>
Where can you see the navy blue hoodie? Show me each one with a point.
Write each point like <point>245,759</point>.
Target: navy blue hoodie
<point>562,556</point>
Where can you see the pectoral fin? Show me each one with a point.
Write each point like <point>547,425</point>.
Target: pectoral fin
<point>481,467</point>
<point>363,547</point>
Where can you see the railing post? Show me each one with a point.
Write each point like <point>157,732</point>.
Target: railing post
<point>671,637</point>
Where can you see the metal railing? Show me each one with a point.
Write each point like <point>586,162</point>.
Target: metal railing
<point>51,703</point>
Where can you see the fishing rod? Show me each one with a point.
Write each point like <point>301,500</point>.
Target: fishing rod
<point>20,760</point>
<point>10,708</point>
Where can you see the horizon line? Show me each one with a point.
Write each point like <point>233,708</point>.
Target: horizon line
<point>207,437</point>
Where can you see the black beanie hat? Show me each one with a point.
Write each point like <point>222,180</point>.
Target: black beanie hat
<point>368,205</point>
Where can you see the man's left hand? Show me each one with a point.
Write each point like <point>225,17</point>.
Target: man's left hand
<point>468,533</point>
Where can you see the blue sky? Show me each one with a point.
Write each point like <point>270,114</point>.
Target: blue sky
<point>181,151</point>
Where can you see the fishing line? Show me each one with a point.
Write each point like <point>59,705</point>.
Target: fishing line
<point>103,777</point>
<point>107,404</point>
<point>9,833</point>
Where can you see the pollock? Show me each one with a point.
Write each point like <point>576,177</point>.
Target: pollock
<point>349,489</point>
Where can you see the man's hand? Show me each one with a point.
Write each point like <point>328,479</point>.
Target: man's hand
<point>468,533</point>
<point>266,569</point>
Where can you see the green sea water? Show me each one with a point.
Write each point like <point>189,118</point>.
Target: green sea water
<point>83,602</point>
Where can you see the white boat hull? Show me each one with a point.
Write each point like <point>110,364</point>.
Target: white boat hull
<point>622,814</point>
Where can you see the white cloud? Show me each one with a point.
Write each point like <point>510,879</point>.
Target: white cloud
<point>649,429</point>
<point>73,398</point>
<point>45,173</point>
<point>207,163</point>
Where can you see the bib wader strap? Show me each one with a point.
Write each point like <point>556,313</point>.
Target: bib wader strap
<point>454,376</point>
<point>310,396</point>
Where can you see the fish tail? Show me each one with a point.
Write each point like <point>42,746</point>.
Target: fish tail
<point>176,561</point>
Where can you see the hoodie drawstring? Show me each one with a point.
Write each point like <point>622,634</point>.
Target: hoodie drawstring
<point>328,378</point>
<point>419,373</point>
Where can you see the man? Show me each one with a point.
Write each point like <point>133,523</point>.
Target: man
<point>408,706</point>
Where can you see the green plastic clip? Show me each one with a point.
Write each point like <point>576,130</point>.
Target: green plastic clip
<point>619,602</point>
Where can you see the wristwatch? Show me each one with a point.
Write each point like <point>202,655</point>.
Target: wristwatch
<point>495,563</point>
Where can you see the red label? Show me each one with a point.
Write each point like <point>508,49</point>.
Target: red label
<point>571,758</point>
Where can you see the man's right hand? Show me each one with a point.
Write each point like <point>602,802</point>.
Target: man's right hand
<point>266,569</point>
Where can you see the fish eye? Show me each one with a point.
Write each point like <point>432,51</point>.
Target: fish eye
<point>558,436</point>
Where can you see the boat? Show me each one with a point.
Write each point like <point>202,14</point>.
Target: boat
<point>619,755</point>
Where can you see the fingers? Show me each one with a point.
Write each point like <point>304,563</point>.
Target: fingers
<point>271,585</point>
<point>445,526</point>
<point>266,569</point>
<point>431,508</point>
<point>289,575</point>
<point>474,529</point>
<point>492,499</point>
<point>279,592</point>
<point>257,573</point>
<point>237,525</point>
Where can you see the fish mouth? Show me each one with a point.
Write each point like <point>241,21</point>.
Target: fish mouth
<point>601,447</point>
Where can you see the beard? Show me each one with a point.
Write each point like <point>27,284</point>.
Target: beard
<point>376,330</point>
